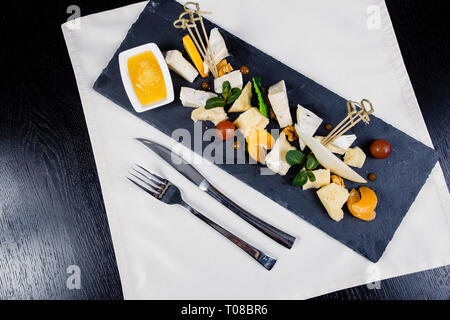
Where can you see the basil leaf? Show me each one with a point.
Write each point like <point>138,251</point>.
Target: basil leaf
<point>295,157</point>
<point>226,90</point>
<point>215,102</point>
<point>311,162</point>
<point>311,176</point>
<point>300,179</point>
<point>235,94</point>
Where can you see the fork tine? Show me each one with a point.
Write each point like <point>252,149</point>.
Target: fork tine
<point>149,191</point>
<point>155,184</point>
<point>162,180</point>
<point>156,192</point>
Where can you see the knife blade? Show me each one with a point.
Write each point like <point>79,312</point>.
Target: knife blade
<point>193,175</point>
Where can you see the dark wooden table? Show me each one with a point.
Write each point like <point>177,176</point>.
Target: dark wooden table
<point>51,207</point>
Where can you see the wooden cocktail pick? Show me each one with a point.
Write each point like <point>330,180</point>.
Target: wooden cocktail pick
<point>356,112</point>
<point>188,20</point>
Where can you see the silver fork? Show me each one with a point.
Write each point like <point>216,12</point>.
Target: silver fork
<point>163,190</point>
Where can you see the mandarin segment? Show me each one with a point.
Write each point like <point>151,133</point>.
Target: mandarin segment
<point>362,203</point>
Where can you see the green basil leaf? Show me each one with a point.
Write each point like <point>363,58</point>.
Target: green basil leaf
<point>295,157</point>
<point>300,179</point>
<point>311,176</point>
<point>235,94</point>
<point>215,102</point>
<point>311,162</point>
<point>226,89</point>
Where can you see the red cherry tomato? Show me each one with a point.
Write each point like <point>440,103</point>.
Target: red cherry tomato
<point>380,149</point>
<point>225,130</point>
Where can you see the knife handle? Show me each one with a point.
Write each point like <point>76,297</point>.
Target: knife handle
<point>275,234</point>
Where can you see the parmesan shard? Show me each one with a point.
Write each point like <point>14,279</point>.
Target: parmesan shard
<point>251,120</point>
<point>243,103</point>
<point>216,115</point>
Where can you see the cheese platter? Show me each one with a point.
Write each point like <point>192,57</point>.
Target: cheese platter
<point>322,167</point>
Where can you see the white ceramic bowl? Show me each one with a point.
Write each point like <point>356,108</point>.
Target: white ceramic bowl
<point>123,64</point>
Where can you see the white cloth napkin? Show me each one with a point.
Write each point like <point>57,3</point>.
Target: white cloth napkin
<point>166,253</point>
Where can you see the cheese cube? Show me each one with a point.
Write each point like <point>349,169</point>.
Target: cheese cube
<point>215,115</point>
<point>251,120</point>
<point>235,79</point>
<point>279,100</point>
<point>180,65</point>
<point>276,159</point>
<point>195,98</point>
<point>243,103</point>
<point>355,157</point>
<point>322,179</point>
<point>333,197</point>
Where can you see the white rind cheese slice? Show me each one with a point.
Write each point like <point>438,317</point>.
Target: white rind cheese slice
<point>180,65</point>
<point>243,103</point>
<point>329,160</point>
<point>215,115</point>
<point>276,159</point>
<point>323,177</point>
<point>251,120</point>
<point>308,122</point>
<point>235,79</point>
<point>333,198</point>
<point>218,46</point>
<point>195,98</point>
<point>341,144</point>
<point>280,104</point>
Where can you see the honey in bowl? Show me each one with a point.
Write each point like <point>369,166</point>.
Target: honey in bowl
<point>147,78</point>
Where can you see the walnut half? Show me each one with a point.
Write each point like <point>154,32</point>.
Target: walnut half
<point>290,133</point>
<point>224,67</point>
<point>337,180</point>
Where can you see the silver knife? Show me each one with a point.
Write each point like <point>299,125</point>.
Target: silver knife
<point>196,177</point>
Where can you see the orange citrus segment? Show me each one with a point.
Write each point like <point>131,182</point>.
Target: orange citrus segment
<point>362,204</point>
<point>193,53</point>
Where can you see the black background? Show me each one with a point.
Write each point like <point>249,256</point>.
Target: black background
<point>51,209</point>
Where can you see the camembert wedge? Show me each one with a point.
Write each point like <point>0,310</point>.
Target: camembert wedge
<point>195,98</point>
<point>341,144</point>
<point>308,122</point>
<point>178,64</point>
<point>235,79</point>
<point>218,46</point>
<point>276,159</point>
<point>243,103</point>
<point>280,104</point>
<point>251,120</point>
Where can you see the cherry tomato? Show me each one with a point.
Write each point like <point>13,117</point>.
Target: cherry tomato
<point>225,130</point>
<point>380,149</point>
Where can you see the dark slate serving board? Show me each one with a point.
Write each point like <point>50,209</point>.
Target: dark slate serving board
<point>400,177</point>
